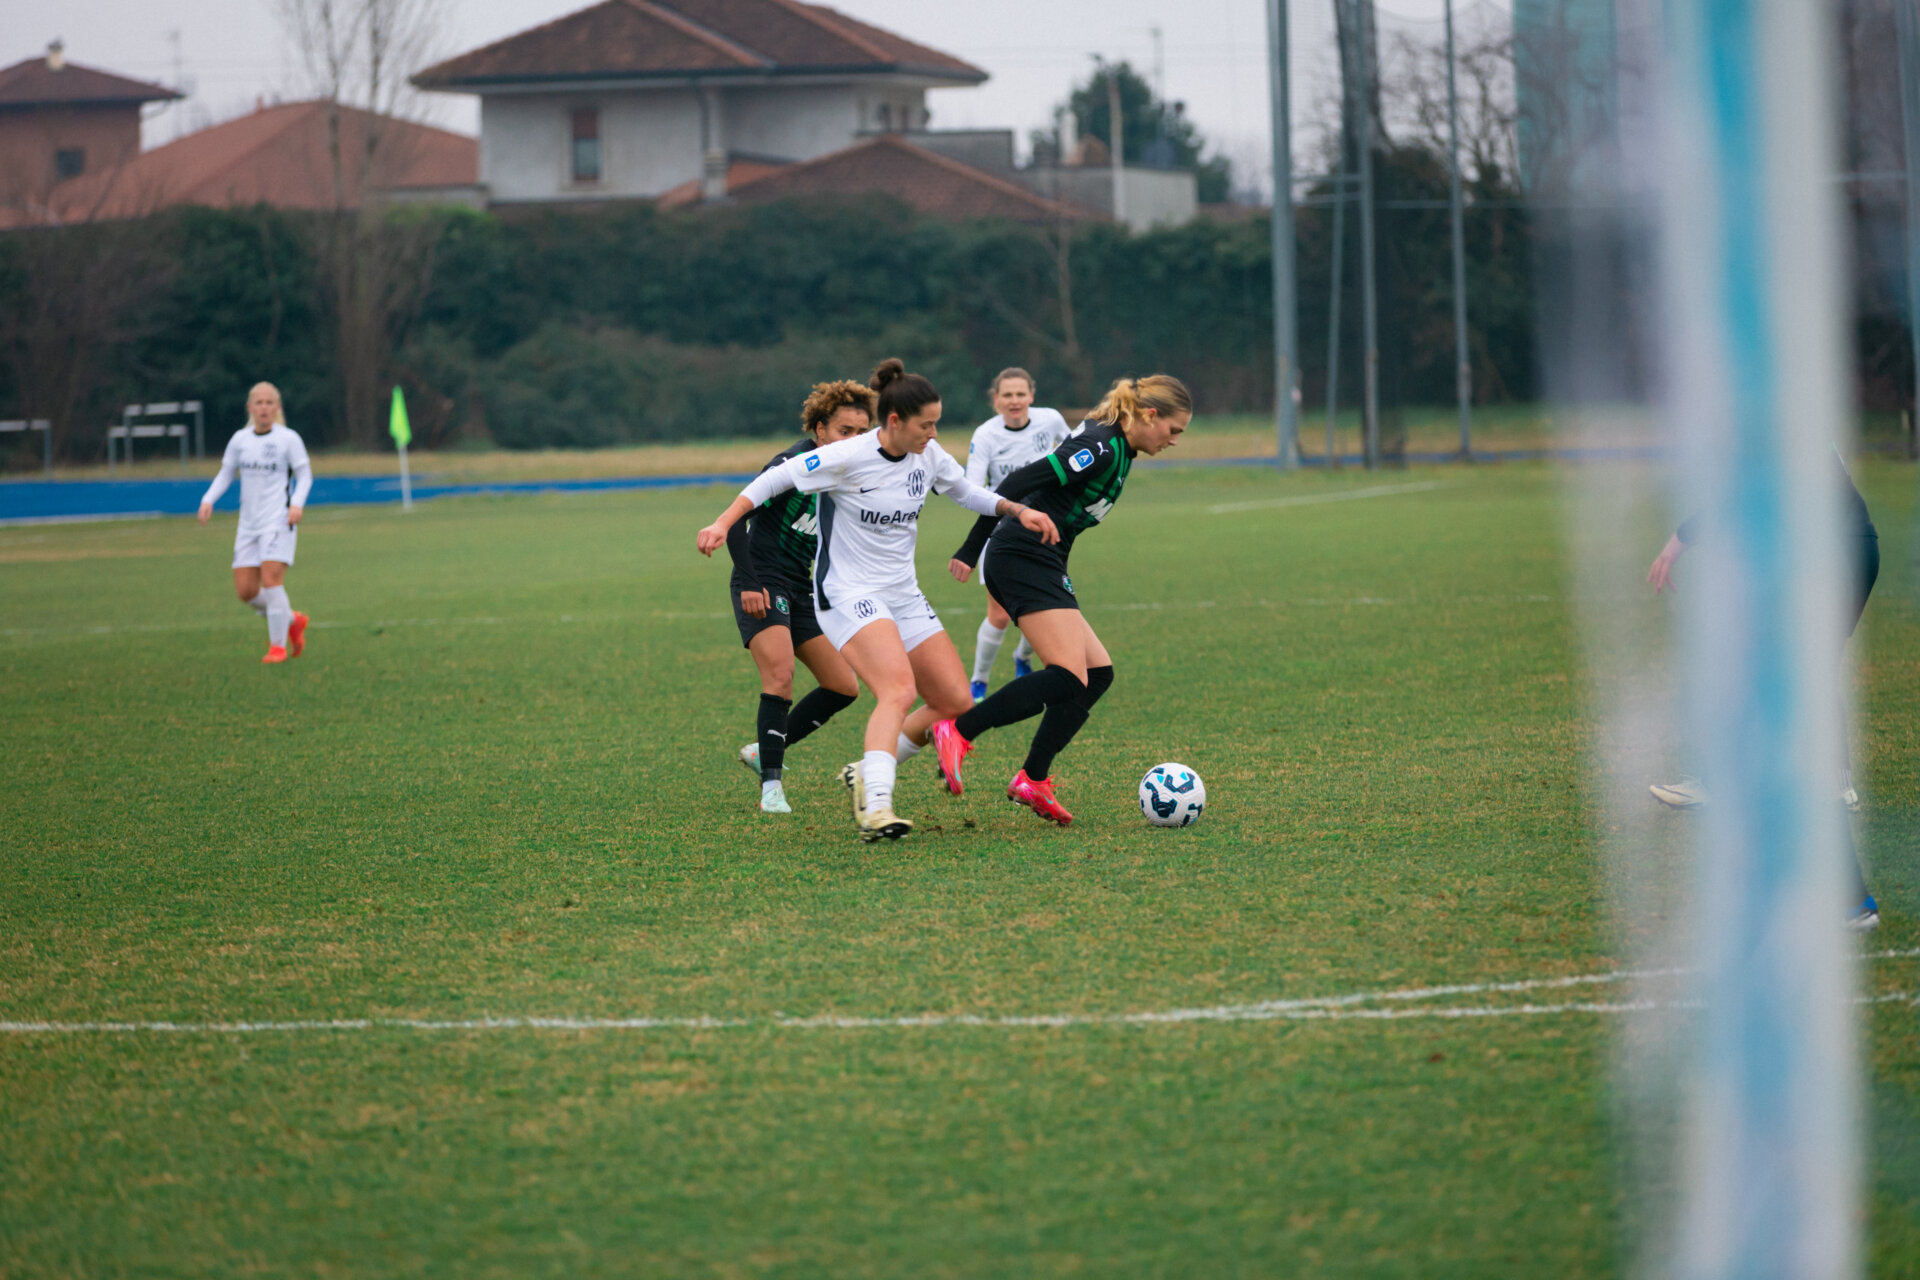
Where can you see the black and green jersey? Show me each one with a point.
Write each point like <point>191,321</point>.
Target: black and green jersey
<point>781,535</point>
<point>1077,484</point>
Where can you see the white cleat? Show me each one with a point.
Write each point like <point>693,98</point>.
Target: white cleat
<point>1851,799</point>
<point>883,824</point>
<point>773,799</point>
<point>855,779</point>
<point>750,757</point>
<point>1688,793</point>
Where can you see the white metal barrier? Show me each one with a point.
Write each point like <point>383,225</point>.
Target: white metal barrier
<point>153,431</point>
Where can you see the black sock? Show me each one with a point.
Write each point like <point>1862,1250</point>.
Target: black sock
<point>815,710</point>
<point>1019,700</point>
<point>1057,727</point>
<point>1099,680</point>
<point>773,735</point>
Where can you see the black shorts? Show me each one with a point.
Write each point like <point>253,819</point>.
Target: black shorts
<point>792,608</point>
<point>1027,578</point>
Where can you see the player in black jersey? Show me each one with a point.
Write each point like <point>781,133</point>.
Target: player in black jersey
<point>772,587</point>
<point>1861,544</point>
<point>1077,485</point>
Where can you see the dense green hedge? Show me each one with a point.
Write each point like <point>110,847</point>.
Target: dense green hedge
<point>559,327</point>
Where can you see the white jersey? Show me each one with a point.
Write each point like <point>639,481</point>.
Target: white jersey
<point>274,474</point>
<point>997,450</point>
<point>870,503</point>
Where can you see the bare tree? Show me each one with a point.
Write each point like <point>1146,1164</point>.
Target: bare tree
<point>1416,75</point>
<point>373,262</point>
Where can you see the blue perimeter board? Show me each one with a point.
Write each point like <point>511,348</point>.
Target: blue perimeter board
<point>45,501</point>
<point>25,501</point>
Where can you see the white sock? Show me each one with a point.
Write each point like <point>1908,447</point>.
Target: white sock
<point>279,614</point>
<point>877,769</point>
<point>771,788</point>
<point>259,603</point>
<point>986,648</point>
<point>906,750</point>
<point>1024,653</point>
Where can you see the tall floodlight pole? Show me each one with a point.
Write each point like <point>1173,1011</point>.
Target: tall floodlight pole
<point>1333,312</point>
<point>1369,299</point>
<point>1462,370</point>
<point>1116,139</point>
<point>1755,339</point>
<point>1286,338</point>
<point>1907,24</point>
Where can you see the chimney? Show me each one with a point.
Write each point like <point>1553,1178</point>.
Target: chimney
<point>56,56</point>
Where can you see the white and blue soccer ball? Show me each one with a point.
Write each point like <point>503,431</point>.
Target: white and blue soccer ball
<point>1172,795</point>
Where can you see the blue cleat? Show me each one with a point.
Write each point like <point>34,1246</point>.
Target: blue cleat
<point>1021,667</point>
<point>979,690</point>
<point>1867,918</point>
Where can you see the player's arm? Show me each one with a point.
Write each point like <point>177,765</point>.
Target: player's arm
<point>1021,484</point>
<point>753,597</point>
<point>1660,575</point>
<point>769,484</point>
<point>229,468</point>
<point>302,468</point>
<point>951,481</point>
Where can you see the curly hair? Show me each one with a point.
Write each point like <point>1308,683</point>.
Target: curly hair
<point>828,398</point>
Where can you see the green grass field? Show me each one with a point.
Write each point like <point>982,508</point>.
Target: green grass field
<point>501,784</point>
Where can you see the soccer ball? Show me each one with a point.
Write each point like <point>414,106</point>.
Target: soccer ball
<point>1172,795</point>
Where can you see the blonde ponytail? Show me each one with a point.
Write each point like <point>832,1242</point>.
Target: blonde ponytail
<point>1127,397</point>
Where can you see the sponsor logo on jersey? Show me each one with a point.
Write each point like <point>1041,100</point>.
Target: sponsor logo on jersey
<point>916,484</point>
<point>813,463</point>
<point>884,518</point>
<point>1098,511</point>
<point>808,523</point>
<point>1080,461</point>
<point>864,609</point>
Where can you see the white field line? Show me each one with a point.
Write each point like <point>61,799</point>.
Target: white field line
<point>1312,1008</point>
<point>1315,499</point>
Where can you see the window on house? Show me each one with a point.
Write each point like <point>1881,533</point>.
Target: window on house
<point>69,162</point>
<point>586,144</point>
<point>886,117</point>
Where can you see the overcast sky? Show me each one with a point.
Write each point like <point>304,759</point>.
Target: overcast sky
<point>232,52</point>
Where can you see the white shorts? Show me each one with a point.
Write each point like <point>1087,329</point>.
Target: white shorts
<point>250,549</point>
<point>907,610</point>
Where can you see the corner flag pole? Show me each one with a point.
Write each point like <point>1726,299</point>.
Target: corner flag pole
<point>402,433</point>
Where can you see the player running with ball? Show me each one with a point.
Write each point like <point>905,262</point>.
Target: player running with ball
<point>772,589</point>
<point>865,593</point>
<point>1016,434</point>
<point>1077,484</point>
<point>275,477</point>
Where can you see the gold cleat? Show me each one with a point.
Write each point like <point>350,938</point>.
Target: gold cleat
<point>883,824</point>
<point>856,784</point>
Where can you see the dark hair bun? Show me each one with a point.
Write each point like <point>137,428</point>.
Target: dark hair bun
<point>891,368</point>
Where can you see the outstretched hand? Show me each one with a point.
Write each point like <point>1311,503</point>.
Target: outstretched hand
<point>711,539</point>
<point>960,569</point>
<point>1041,523</point>
<point>1660,575</point>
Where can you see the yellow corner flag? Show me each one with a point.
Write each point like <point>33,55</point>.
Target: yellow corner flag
<point>397,425</point>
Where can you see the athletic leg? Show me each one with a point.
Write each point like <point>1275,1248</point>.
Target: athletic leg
<point>273,576</point>
<point>1064,719</point>
<point>1059,636</point>
<point>838,689</point>
<point>880,661</point>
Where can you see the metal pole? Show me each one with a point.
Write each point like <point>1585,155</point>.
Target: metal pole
<point>1369,302</point>
<point>1908,29</point>
<point>1286,337</point>
<point>1463,370</point>
<point>46,445</point>
<point>1333,315</point>
<point>406,482</point>
<point>1116,138</point>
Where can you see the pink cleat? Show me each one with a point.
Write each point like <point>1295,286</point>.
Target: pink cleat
<point>297,635</point>
<point>1038,796</point>
<point>951,749</point>
<point>276,653</point>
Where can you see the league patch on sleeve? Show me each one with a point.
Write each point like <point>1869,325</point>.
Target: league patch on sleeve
<point>1081,460</point>
<point>813,463</point>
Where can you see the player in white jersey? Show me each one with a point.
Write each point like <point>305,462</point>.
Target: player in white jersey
<point>865,592</point>
<point>1016,434</point>
<point>275,476</point>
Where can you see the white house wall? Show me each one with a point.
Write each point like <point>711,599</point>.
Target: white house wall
<point>649,143</point>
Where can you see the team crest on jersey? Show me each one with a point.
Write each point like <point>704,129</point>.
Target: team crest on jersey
<point>780,603</point>
<point>813,463</point>
<point>1067,582</point>
<point>863,609</point>
<point>916,483</point>
<point>1080,461</point>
